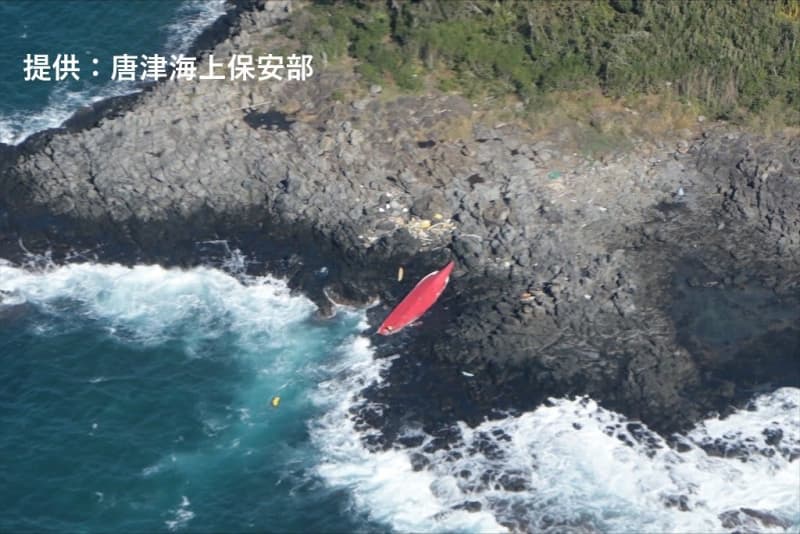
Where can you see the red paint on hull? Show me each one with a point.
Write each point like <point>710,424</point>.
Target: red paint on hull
<point>417,302</point>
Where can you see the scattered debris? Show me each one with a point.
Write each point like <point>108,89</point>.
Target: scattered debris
<point>428,233</point>
<point>400,273</point>
<point>465,373</point>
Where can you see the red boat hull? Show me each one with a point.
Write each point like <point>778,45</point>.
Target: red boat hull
<point>417,302</point>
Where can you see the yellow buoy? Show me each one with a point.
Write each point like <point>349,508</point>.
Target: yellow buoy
<point>275,402</point>
<point>400,273</point>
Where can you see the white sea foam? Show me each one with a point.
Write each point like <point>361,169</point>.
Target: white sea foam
<point>257,321</point>
<point>192,18</point>
<point>62,103</point>
<point>571,466</point>
<point>150,304</point>
<point>182,515</point>
<point>382,483</point>
<point>11,299</point>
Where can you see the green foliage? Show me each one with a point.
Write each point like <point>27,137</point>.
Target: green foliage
<point>361,30</point>
<point>728,56</point>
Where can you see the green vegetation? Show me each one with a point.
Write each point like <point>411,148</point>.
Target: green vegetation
<point>729,58</point>
<point>362,30</point>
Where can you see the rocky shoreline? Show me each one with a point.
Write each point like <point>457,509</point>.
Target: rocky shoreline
<point>663,281</point>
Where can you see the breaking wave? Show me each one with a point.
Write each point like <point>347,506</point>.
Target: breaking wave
<point>62,103</point>
<point>193,17</point>
<point>570,466</point>
<point>149,304</point>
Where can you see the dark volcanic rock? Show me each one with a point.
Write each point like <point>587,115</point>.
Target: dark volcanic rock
<point>751,519</point>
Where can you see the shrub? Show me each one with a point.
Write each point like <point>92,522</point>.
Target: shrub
<point>724,55</point>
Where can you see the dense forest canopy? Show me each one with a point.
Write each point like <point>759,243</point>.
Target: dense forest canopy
<point>725,55</point>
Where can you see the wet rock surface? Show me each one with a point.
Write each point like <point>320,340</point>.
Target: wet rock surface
<point>664,283</point>
<point>749,520</point>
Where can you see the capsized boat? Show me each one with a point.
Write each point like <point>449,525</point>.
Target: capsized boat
<point>417,302</point>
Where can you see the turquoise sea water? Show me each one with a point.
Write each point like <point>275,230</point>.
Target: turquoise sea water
<point>89,29</point>
<point>139,400</point>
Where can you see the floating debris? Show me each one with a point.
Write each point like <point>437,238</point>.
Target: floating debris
<point>275,402</point>
<point>465,373</point>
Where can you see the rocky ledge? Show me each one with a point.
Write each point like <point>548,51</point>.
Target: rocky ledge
<point>663,280</point>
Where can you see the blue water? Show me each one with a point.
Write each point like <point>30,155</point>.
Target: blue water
<point>89,29</point>
<point>139,400</point>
